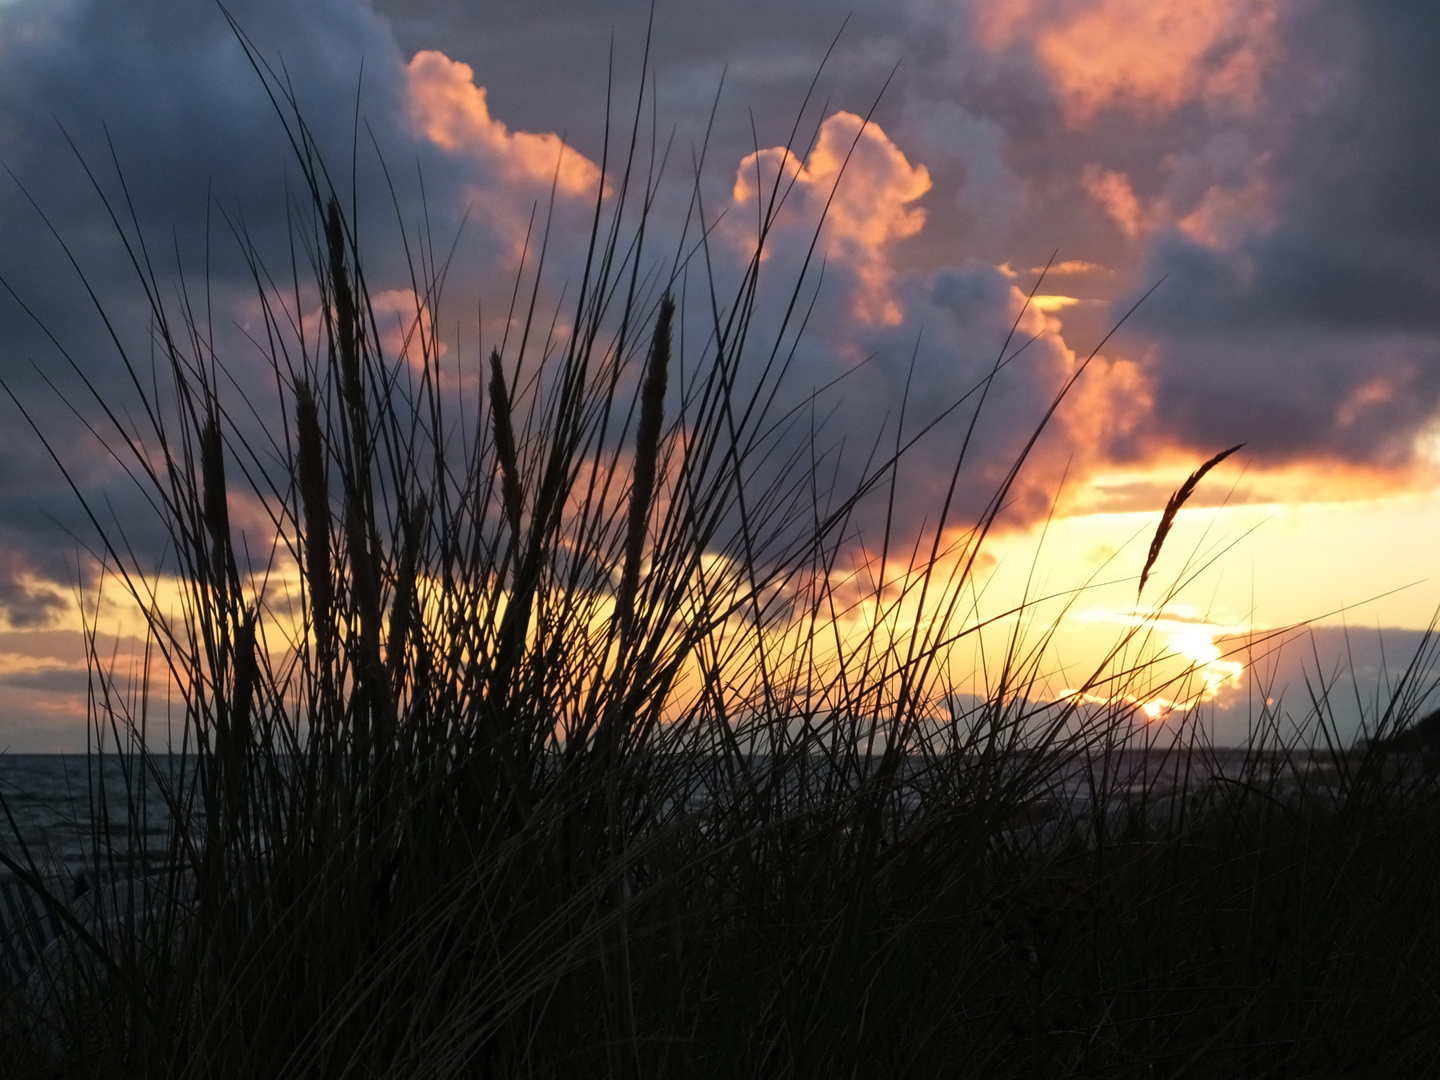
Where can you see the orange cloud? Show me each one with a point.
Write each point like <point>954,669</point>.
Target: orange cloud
<point>1111,402</point>
<point>404,322</point>
<point>447,106</point>
<point>1147,55</point>
<point>1112,190</point>
<point>1070,266</point>
<point>1223,214</point>
<point>871,207</point>
<point>1319,480</point>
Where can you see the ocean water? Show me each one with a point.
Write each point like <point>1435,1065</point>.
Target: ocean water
<point>66,814</point>
<point>53,803</point>
<point>66,817</point>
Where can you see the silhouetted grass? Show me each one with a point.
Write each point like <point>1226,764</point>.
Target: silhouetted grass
<point>529,748</point>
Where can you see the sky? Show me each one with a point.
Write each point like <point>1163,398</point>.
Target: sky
<point>1264,173</point>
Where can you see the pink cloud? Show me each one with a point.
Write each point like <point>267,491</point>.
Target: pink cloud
<point>404,322</point>
<point>871,207</point>
<point>1113,192</point>
<point>450,110</point>
<point>1146,55</point>
<point>1227,209</point>
<point>1226,214</point>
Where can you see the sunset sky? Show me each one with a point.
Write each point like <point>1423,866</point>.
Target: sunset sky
<point>1274,165</point>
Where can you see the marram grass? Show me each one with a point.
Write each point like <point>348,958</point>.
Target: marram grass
<point>552,763</point>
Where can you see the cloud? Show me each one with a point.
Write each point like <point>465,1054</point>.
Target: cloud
<point>1299,247</point>
<point>1107,410</point>
<point>1274,161</point>
<point>1113,192</point>
<point>27,601</point>
<point>406,327</point>
<point>451,110</point>
<point>864,185</point>
<point>208,171</point>
<point>54,680</point>
<point>1072,266</point>
<point>1354,237</point>
<point>957,321</point>
<point>1148,56</point>
<point>1227,210</point>
<point>1297,396</point>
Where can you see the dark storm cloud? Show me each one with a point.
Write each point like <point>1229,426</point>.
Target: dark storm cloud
<point>199,154</point>
<point>1319,334</point>
<point>930,383</point>
<point>52,680</point>
<point>168,86</point>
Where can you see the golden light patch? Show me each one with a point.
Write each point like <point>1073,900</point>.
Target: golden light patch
<point>1181,654</point>
<point>1146,488</point>
<point>1069,266</point>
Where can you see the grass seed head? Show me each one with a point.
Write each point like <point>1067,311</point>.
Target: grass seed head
<point>500,414</point>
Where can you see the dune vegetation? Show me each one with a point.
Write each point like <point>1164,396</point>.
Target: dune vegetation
<point>530,746</point>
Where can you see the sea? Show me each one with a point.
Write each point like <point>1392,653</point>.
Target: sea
<point>51,803</point>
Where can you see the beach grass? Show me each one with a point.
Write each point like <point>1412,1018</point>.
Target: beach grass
<point>529,745</point>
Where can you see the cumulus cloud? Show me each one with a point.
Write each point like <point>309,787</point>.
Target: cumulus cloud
<point>866,209</point>
<point>1144,55</point>
<point>451,110</point>
<point>1304,314</point>
<point>957,321</point>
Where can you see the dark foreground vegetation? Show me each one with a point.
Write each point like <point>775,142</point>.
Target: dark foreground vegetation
<point>546,758</point>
